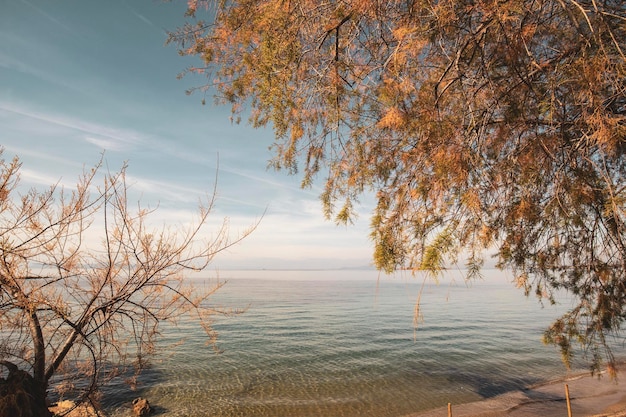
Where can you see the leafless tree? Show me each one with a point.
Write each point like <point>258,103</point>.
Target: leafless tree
<point>66,306</point>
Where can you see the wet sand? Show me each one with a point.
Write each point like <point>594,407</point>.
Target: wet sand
<point>589,396</point>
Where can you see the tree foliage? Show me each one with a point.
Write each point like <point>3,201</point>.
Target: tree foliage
<point>478,124</point>
<point>73,316</point>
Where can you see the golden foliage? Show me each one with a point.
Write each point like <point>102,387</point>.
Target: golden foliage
<point>506,119</point>
<point>393,119</point>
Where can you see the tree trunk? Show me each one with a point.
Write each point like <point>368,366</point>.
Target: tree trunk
<point>21,395</point>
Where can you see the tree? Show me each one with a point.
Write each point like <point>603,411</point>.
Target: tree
<point>90,313</point>
<point>479,125</point>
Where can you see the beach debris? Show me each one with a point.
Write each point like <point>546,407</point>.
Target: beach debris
<point>141,407</point>
<point>69,408</point>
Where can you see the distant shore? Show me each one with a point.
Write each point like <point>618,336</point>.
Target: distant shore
<point>589,396</point>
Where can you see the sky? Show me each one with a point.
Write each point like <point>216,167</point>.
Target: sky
<point>83,77</point>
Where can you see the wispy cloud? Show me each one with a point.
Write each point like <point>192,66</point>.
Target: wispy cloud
<point>37,178</point>
<point>256,191</point>
<point>106,144</point>
<point>273,183</point>
<point>143,18</point>
<point>14,64</point>
<point>96,134</point>
<point>139,16</point>
<point>176,192</point>
<point>48,16</point>
<point>166,190</point>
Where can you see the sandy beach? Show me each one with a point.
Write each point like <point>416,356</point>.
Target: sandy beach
<point>589,396</point>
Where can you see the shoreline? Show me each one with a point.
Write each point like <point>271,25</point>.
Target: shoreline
<point>590,396</point>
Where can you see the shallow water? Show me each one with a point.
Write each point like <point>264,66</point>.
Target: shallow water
<point>342,343</point>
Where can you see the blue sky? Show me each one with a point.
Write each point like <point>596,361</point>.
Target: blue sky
<point>78,77</point>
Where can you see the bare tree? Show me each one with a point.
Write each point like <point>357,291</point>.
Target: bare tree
<point>66,306</point>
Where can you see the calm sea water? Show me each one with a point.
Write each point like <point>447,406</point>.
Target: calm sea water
<point>342,343</point>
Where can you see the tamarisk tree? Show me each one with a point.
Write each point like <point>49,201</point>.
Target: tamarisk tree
<point>90,312</point>
<point>480,126</point>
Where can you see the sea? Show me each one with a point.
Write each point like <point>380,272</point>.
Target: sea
<point>350,343</point>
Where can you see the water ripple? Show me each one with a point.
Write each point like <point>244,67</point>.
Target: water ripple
<point>342,348</point>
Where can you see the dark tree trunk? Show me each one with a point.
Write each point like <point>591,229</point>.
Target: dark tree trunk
<point>21,395</point>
